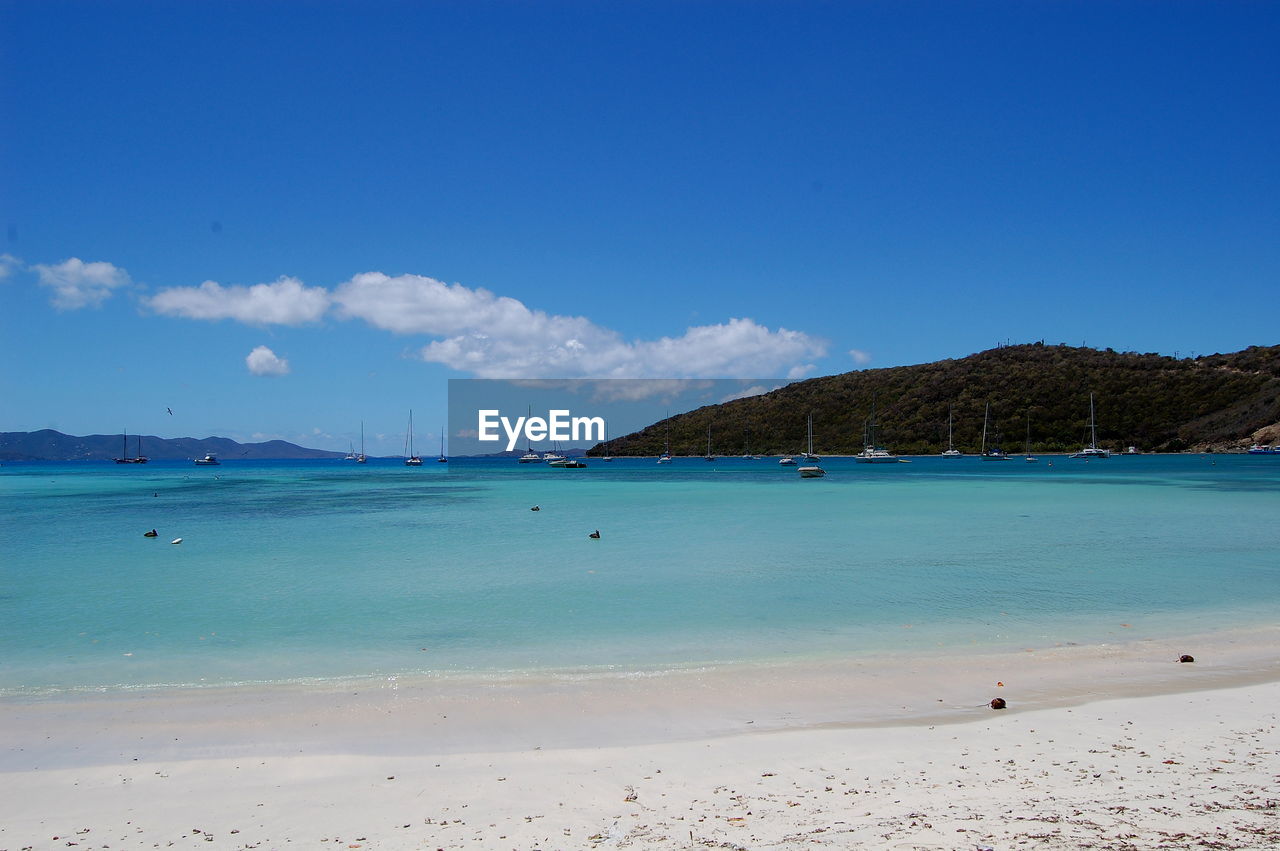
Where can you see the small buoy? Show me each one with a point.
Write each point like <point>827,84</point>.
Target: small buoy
<point>1185,658</point>
<point>536,508</point>
<point>176,541</point>
<point>998,703</point>
<point>594,534</point>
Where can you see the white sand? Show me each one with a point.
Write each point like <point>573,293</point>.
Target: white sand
<point>274,768</point>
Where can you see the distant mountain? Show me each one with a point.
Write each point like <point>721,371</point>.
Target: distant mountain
<point>49,445</point>
<point>1216,402</point>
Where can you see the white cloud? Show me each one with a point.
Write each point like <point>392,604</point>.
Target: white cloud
<point>493,336</point>
<point>263,361</point>
<point>8,263</point>
<point>77,284</point>
<point>283,302</point>
<point>860,357</point>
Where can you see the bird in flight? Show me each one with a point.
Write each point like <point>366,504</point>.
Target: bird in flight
<point>170,410</point>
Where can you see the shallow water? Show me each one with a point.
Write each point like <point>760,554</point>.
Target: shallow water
<point>320,570</point>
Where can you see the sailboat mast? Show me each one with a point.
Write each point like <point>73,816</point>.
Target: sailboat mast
<point>1093,426</point>
<point>985,414</point>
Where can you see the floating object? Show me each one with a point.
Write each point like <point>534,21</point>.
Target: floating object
<point>595,534</point>
<point>152,534</point>
<point>999,685</point>
<point>998,703</point>
<point>1185,658</point>
<point>536,508</point>
<point>176,541</point>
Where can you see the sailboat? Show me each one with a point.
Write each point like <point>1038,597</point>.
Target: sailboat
<point>412,460</point>
<point>124,451</point>
<point>529,456</point>
<point>790,461</point>
<point>608,456</point>
<point>351,452</point>
<point>809,455</point>
<point>1027,456</point>
<point>1092,450</point>
<point>995,453</point>
<point>872,454</point>
<point>812,471</point>
<point>709,456</point>
<point>665,457</point>
<point>747,454</point>
<point>951,451</point>
<point>443,459</point>
<point>361,458</point>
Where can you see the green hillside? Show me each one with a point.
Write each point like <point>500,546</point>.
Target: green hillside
<point>1154,402</point>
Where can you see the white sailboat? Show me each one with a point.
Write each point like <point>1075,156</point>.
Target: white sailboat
<point>951,451</point>
<point>811,471</point>
<point>607,455</point>
<point>411,460</point>
<point>1027,456</point>
<point>809,455</point>
<point>995,453</point>
<point>529,456</point>
<point>872,454</point>
<point>709,456</point>
<point>1092,450</point>
<point>443,459</point>
<point>665,457</point>
<point>361,458</point>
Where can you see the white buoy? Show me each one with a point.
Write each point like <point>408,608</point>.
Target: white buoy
<point>176,541</point>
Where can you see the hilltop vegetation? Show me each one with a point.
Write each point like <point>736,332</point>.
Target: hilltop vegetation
<point>1154,402</point>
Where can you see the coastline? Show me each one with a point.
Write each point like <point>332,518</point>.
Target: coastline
<point>495,712</point>
<point>1119,746</point>
<point>1186,770</point>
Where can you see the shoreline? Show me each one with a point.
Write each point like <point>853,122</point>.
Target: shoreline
<point>1189,770</point>
<point>454,714</point>
<point>1109,747</point>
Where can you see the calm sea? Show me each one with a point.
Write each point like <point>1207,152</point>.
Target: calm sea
<point>296,571</point>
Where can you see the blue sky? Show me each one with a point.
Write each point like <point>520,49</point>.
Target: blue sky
<point>387,195</point>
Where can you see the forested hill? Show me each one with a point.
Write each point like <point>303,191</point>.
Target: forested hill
<point>1154,402</point>
<point>50,445</point>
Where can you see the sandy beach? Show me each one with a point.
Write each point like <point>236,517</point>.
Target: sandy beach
<point>1116,748</point>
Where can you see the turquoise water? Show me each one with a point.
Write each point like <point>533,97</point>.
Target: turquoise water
<point>317,570</point>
